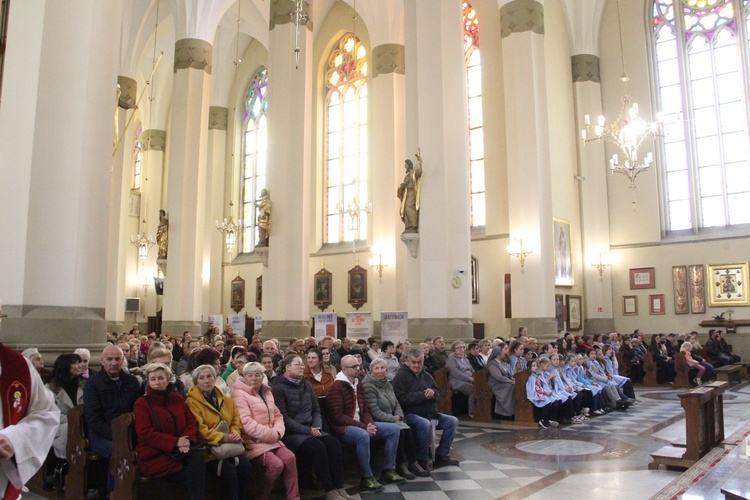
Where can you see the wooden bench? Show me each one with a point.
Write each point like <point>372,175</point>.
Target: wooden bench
<point>682,371</point>
<point>482,395</point>
<point>524,408</point>
<point>728,373</point>
<point>745,372</point>
<point>445,401</point>
<point>650,370</point>
<point>622,367</point>
<point>699,431</point>
<point>80,457</point>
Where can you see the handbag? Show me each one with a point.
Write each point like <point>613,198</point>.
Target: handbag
<point>226,450</point>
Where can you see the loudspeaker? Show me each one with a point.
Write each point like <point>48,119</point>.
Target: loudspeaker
<point>132,305</point>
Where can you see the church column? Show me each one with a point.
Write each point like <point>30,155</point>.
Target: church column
<point>286,280</point>
<point>529,176</point>
<point>388,94</point>
<point>594,202</point>
<point>186,199</point>
<point>438,303</point>
<point>218,121</point>
<point>56,134</point>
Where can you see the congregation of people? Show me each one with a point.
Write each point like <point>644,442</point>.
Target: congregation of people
<point>224,408</point>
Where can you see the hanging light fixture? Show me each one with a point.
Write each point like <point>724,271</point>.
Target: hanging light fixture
<point>299,17</point>
<point>228,227</point>
<point>627,132</point>
<point>142,241</point>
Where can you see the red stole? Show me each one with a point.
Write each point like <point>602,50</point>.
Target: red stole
<point>15,387</point>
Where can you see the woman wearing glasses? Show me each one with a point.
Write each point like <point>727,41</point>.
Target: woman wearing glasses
<point>304,436</point>
<point>262,430</point>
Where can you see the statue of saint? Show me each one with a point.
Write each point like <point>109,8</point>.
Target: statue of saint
<point>162,235</point>
<point>408,193</point>
<point>264,218</point>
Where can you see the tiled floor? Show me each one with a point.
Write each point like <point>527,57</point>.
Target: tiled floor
<point>605,458</point>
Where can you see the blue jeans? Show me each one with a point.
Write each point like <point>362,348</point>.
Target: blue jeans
<point>360,439</point>
<point>423,429</point>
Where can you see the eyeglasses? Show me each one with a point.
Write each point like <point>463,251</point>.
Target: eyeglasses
<point>296,364</point>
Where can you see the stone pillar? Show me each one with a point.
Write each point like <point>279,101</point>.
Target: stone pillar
<point>56,134</point>
<point>186,202</point>
<point>218,121</point>
<point>286,280</point>
<point>529,176</point>
<point>584,28</point>
<point>436,123</point>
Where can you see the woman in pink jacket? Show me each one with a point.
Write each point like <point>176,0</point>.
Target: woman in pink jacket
<point>262,430</point>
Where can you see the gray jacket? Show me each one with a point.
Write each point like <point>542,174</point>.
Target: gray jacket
<point>381,400</point>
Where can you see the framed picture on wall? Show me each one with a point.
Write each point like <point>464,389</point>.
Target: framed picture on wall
<point>238,294</point>
<point>474,280</point>
<point>559,312</point>
<point>697,284</point>
<point>322,289</point>
<point>357,296</point>
<point>680,290</point>
<point>630,305</point>
<point>656,304</point>
<point>574,312</point>
<point>563,257</point>
<point>728,284</point>
<point>641,278</point>
<point>259,292</point>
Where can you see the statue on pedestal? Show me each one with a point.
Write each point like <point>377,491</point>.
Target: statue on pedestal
<point>408,193</point>
<point>162,235</point>
<point>264,218</point>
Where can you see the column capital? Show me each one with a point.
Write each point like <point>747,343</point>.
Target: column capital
<point>193,53</point>
<point>283,10</point>
<point>128,92</point>
<point>154,140</point>
<point>218,118</point>
<point>518,16</point>
<point>388,58</point>
<point>585,68</point>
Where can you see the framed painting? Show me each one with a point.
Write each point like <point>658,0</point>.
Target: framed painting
<point>630,305</point>
<point>237,302</point>
<point>259,292</point>
<point>574,312</point>
<point>322,292</point>
<point>728,285</point>
<point>642,277</point>
<point>474,280</point>
<point>563,257</point>
<point>559,310</point>
<point>357,295</point>
<point>656,304</point>
<point>697,287</point>
<point>680,290</point>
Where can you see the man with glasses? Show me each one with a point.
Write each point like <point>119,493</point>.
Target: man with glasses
<point>417,393</point>
<point>352,424</point>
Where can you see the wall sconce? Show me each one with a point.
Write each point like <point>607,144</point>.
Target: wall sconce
<point>377,264</point>
<point>605,261</point>
<point>515,249</point>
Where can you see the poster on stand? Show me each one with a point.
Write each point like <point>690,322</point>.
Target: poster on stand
<point>237,322</point>
<point>258,324</point>
<point>325,325</point>
<point>217,320</point>
<point>359,325</point>
<point>394,326</point>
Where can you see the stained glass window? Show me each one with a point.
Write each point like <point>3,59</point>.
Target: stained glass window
<point>255,146</point>
<point>701,76</point>
<point>474,106</point>
<point>137,161</point>
<point>346,133</point>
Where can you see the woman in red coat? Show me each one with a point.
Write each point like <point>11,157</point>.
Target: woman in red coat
<point>166,428</point>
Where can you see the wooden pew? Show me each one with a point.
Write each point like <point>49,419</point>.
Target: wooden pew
<point>445,401</point>
<point>716,414</point>
<point>524,407</point>
<point>728,373</point>
<point>80,457</point>
<point>699,431</point>
<point>622,367</point>
<point>682,370</point>
<point>649,370</point>
<point>483,396</point>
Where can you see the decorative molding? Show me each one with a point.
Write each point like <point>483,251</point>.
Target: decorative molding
<point>193,53</point>
<point>388,58</point>
<point>128,92</point>
<point>154,140</point>
<point>281,13</point>
<point>521,15</point>
<point>218,118</point>
<point>585,68</point>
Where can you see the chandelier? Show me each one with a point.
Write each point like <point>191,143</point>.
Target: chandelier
<point>299,17</point>
<point>627,132</point>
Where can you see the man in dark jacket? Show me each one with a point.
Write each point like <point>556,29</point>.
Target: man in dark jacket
<point>417,393</point>
<point>109,393</point>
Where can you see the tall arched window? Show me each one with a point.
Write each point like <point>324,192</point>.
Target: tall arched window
<point>474,106</point>
<point>701,67</point>
<point>255,147</point>
<point>137,161</point>
<point>346,139</point>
